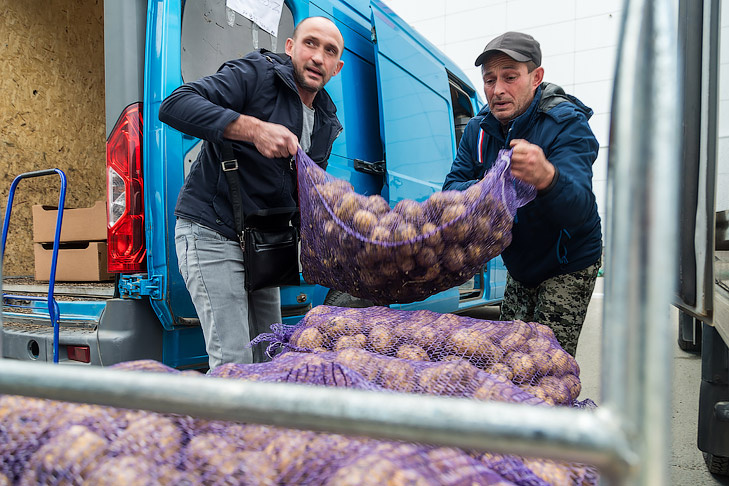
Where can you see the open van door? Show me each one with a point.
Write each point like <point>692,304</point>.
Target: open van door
<point>416,111</point>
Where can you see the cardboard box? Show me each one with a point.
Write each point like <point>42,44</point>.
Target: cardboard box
<point>78,262</point>
<point>82,224</point>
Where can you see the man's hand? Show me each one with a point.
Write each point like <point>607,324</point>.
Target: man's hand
<point>529,164</point>
<point>271,139</point>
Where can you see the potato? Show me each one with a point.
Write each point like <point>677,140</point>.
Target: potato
<point>359,360</point>
<point>406,265</point>
<point>412,352</point>
<point>406,235</point>
<point>474,345</point>
<point>377,204</point>
<point>437,202</point>
<point>219,458</point>
<point>397,375</point>
<point>72,452</point>
<point>357,341</point>
<point>340,326</point>
<point>363,221</point>
<point>555,388</point>
<point>453,379</point>
<point>453,227</point>
<point>454,259</point>
<point>381,339</point>
<point>391,220</point>
<point>573,384</point>
<point>426,257</point>
<point>428,337</point>
<point>516,334</point>
<point>348,205</point>
<point>153,435</point>
<point>501,369</point>
<point>538,392</point>
<point>562,362</point>
<point>133,470</point>
<point>315,174</point>
<point>290,447</point>
<point>523,366</point>
<point>309,338</point>
<point>411,211</point>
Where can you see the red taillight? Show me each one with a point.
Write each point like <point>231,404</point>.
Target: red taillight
<point>124,185</point>
<point>79,353</point>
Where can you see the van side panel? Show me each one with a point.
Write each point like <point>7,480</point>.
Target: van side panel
<point>124,34</point>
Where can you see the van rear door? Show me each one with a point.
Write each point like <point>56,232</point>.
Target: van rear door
<point>416,113</point>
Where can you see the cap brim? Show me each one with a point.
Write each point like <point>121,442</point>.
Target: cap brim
<point>512,54</point>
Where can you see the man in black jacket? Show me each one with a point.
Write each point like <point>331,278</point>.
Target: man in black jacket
<point>266,105</point>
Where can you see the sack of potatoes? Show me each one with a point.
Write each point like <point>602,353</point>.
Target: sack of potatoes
<point>360,245</point>
<point>525,354</point>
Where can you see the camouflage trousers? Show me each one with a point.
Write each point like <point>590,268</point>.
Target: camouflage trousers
<point>559,302</point>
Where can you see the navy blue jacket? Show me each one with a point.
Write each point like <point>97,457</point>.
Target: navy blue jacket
<point>559,231</point>
<point>261,85</point>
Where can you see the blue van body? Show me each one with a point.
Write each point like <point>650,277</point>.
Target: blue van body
<point>403,105</point>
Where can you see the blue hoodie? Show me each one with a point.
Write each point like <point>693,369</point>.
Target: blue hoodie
<point>559,231</point>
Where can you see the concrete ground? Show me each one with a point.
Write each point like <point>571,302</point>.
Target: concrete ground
<point>687,465</point>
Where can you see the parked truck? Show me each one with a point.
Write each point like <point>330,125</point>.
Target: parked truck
<point>703,283</point>
<point>403,105</point>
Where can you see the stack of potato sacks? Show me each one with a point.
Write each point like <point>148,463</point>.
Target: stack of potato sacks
<point>359,245</point>
<point>45,442</point>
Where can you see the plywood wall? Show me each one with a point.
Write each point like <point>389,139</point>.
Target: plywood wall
<point>51,110</point>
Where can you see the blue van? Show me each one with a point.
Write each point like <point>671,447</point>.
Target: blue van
<point>403,105</point>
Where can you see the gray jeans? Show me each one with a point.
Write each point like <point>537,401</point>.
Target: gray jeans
<point>212,268</point>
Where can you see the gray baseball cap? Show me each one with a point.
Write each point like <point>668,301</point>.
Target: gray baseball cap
<point>520,47</point>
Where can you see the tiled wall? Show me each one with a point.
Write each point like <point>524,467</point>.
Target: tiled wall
<point>579,44</point>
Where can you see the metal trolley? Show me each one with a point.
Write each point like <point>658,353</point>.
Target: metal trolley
<point>627,437</point>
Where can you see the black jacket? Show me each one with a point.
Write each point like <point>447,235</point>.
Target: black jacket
<point>260,85</point>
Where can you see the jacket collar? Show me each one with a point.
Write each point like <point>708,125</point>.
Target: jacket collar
<point>283,66</point>
<point>493,126</point>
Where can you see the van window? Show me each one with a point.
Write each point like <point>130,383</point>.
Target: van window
<point>462,106</point>
<point>213,34</point>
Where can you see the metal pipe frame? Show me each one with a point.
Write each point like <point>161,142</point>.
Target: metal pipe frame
<point>626,438</point>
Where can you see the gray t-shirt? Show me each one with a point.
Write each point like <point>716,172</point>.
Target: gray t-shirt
<point>308,127</point>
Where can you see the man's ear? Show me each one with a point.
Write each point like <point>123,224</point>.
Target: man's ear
<point>338,68</point>
<point>289,46</point>
<point>538,76</point>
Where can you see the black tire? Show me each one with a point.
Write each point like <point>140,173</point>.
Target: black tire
<point>717,464</point>
<point>689,333</point>
<point>343,299</point>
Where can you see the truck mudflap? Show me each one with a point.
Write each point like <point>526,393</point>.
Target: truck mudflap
<point>713,433</point>
<point>127,330</point>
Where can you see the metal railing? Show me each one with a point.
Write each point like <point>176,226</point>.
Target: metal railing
<point>626,437</point>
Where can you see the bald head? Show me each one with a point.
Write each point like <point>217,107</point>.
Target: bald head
<point>319,23</point>
<point>316,53</point>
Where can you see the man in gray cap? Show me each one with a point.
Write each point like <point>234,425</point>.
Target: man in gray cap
<point>556,247</point>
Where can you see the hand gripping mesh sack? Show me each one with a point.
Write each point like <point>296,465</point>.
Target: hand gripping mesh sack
<point>359,245</point>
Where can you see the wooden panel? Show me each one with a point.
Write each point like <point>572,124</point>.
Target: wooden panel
<point>51,110</point>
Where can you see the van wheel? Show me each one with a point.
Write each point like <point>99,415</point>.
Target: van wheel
<point>689,333</point>
<point>717,464</point>
<point>343,299</point>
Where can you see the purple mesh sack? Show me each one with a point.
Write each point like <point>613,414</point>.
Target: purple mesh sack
<point>411,251</point>
<point>525,353</point>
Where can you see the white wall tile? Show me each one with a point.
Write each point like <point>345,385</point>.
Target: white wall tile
<point>598,31</point>
<point>600,125</point>
<point>433,30</point>
<point>724,44</point>
<point>556,38</point>
<point>599,168</point>
<point>480,23</point>
<point>527,14</point>
<point>560,70</point>
<point>724,81</point>
<point>415,10</point>
<point>463,5</point>
<point>723,125</point>
<point>595,65</point>
<point>596,95</point>
<point>589,8</point>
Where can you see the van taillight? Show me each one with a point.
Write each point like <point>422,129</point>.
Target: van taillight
<point>124,186</point>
